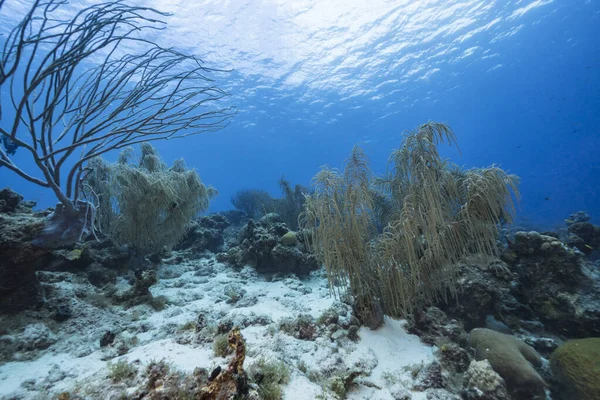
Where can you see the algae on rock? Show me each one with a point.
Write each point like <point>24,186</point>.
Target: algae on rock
<point>576,364</point>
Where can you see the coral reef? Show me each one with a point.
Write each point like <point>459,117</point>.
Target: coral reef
<point>560,287</point>
<point>539,285</point>
<point>481,382</point>
<point>233,381</point>
<point>122,191</point>
<point>19,286</point>
<point>261,245</point>
<point>206,234</point>
<point>485,287</point>
<point>433,324</point>
<point>512,359</point>
<point>441,214</point>
<point>140,292</point>
<point>576,366</point>
<point>21,259</point>
<point>303,327</point>
<point>94,298</point>
<point>11,201</point>
<point>581,234</point>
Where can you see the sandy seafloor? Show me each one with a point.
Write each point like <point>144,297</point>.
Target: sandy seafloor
<point>74,360</point>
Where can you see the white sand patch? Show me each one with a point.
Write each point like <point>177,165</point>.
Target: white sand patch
<point>159,336</point>
<point>182,357</point>
<point>279,301</point>
<point>14,374</point>
<point>300,388</point>
<point>395,349</point>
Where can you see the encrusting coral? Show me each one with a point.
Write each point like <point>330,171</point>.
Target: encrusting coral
<point>233,381</point>
<point>577,366</point>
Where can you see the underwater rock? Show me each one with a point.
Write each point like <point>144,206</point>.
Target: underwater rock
<point>234,293</point>
<point>106,253</point>
<point>140,292</point>
<point>99,258</point>
<point>550,254</point>
<point>100,276</point>
<point>512,359</point>
<point>339,322</point>
<point>69,259</point>
<point>484,291</point>
<point>372,318</point>
<point>575,241</point>
<point>64,227</point>
<point>20,259</point>
<point>162,381</point>
<point>143,282</point>
<point>539,284</point>
<point>329,316</point>
<point>236,217</point>
<point>107,339</point>
<point>205,234</point>
<point>156,374</point>
<point>259,245</point>
<point>288,259</point>
<point>9,200</point>
<point>35,337</point>
<point>481,382</point>
<point>576,365</point>
<point>555,283</point>
<point>453,357</point>
<point>399,392</point>
<point>120,346</point>
<point>433,325</point>
<point>440,394</point>
<point>492,323</point>
<point>584,236</point>
<point>202,321</point>
<point>242,321</point>
<point>303,327</point>
<point>62,313</point>
<point>225,325</point>
<point>532,326</point>
<point>271,218</point>
<point>542,345</point>
<point>343,381</point>
<point>579,216</point>
<point>430,376</point>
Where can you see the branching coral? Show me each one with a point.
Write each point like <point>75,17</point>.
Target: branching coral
<point>89,84</point>
<point>435,214</point>
<point>147,205</point>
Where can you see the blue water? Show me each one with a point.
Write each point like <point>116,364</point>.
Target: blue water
<point>518,81</point>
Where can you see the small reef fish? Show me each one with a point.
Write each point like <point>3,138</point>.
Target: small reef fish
<point>75,254</point>
<point>9,145</point>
